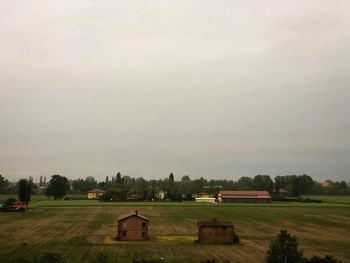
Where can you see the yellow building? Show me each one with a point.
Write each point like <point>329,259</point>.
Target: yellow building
<point>95,194</point>
<point>203,195</point>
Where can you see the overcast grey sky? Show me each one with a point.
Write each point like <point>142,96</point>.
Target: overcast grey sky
<point>219,89</point>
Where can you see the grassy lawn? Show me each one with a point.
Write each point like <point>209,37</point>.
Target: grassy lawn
<point>80,232</point>
<point>53,203</point>
<point>43,201</point>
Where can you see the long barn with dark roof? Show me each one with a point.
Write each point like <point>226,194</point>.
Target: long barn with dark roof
<point>244,197</point>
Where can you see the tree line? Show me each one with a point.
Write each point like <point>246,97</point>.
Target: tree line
<point>118,187</point>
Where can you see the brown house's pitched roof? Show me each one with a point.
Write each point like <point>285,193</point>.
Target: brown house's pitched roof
<point>215,223</point>
<point>245,194</point>
<point>97,191</point>
<point>18,203</point>
<point>130,214</point>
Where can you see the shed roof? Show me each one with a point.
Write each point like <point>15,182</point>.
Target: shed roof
<point>246,197</point>
<point>130,214</point>
<point>215,223</point>
<point>244,193</point>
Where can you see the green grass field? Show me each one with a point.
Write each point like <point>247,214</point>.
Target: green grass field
<point>43,201</point>
<point>340,199</point>
<point>81,229</point>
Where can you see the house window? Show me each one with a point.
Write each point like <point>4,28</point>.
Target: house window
<point>143,234</point>
<point>143,224</point>
<point>124,233</point>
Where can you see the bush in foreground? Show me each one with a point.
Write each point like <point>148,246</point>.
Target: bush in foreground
<point>326,259</point>
<point>236,238</point>
<point>46,258</point>
<point>285,249</point>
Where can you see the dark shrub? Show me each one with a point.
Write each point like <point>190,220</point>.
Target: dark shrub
<point>146,261</point>
<point>101,258</point>
<point>9,202</point>
<point>326,259</point>
<point>236,238</point>
<point>50,258</point>
<point>284,249</point>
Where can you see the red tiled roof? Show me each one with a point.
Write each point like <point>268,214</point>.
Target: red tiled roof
<point>97,191</point>
<point>18,204</point>
<point>244,193</point>
<point>214,223</point>
<point>133,213</point>
<point>246,197</point>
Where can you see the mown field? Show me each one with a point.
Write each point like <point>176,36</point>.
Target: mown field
<point>80,231</point>
<point>341,199</point>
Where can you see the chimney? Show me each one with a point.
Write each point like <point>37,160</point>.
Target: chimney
<point>136,212</point>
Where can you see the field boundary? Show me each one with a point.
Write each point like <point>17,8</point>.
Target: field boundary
<point>334,205</point>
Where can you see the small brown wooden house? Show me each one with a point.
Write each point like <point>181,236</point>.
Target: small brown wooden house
<point>132,227</point>
<point>215,231</point>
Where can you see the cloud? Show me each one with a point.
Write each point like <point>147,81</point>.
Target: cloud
<point>218,90</point>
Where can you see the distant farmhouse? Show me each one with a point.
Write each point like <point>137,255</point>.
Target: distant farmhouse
<point>325,184</point>
<point>215,232</point>
<point>161,195</point>
<point>204,197</point>
<point>18,206</point>
<point>95,194</point>
<point>132,227</point>
<point>244,197</point>
<point>134,196</point>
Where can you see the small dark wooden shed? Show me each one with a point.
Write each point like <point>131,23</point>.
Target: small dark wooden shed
<point>132,227</point>
<point>215,232</point>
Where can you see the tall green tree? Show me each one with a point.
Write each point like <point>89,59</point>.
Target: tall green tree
<point>24,191</point>
<point>4,184</point>
<point>58,187</point>
<point>302,185</point>
<point>245,183</point>
<point>83,186</point>
<point>186,185</point>
<point>119,178</point>
<point>263,182</point>
<point>171,177</point>
<point>279,184</point>
<point>284,249</point>
<point>199,185</point>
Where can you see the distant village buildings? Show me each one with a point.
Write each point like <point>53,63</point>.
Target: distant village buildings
<point>18,206</point>
<point>215,232</point>
<point>161,195</point>
<point>204,197</point>
<point>134,196</point>
<point>244,197</point>
<point>132,227</point>
<point>95,194</point>
<point>325,184</point>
